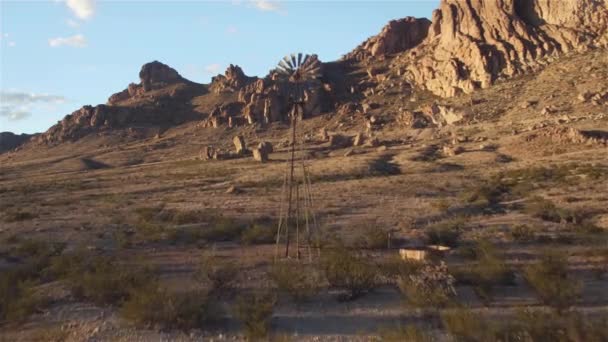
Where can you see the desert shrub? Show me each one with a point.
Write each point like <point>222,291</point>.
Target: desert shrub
<point>300,284</point>
<point>50,334</point>
<point>122,239</point>
<point>222,229</point>
<point>430,286</point>
<point>372,237</point>
<point>445,233</point>
<point>258,234</point>
<point>408,333</point>
<point>489,271</point>
<point>185,217</point>
<point>547,211</point>
<point>395,267</point>
<point>254,310</point>
<point>548,326</point>
<point>489,192</point>
<point>383,166</point>
<point>104,280</point>
<point>464,325</point>
<point>587,227</point>
<point>217,272</point>
<point>154,305</point>
<point>522,233</point>
<point>18,215</point>
<point>550,280</point>
<point>18,299</point>
<point>349,272</point>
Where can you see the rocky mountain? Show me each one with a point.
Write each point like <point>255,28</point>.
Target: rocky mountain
<point>471,44</point>
<point>468,45</point>
<point>161,98</point>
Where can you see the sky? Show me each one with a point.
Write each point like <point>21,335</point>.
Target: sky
<point>58,55</point>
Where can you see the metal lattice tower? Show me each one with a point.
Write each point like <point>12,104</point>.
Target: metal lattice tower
<point>296,216</point>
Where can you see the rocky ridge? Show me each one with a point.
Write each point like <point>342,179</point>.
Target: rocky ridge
<point>468,45</point>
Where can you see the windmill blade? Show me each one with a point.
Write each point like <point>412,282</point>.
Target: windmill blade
<point>306,57</point>
<point>285,66</point>
<point>299,59</point>
<point>294,61</point>
<point>288,61</point>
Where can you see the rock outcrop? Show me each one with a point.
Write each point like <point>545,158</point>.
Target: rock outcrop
<point>397,36</point>
<point>233,79</point>
<point>262,100</point>
<point>473,43</point>
<point>9,140</point>
<point>162,98</point>
<point>153,76</point>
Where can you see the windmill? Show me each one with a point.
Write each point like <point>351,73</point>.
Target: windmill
<point>296,216</point>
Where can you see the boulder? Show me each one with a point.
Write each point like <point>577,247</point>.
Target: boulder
<point>339,141</point>
<point>260,155</point>
<point>265,146</point>
<point>239,145</point>
<point>156,75</point>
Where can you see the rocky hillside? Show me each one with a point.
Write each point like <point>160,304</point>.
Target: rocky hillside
<point>468,45</point>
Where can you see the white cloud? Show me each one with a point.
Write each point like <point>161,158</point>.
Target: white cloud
<point>17,105</point>
<point>13,114</point>
<point>78,41</point>
<point>269,6</point>
<point>82,9</point>
<point>232,30</point>
<point>213,68</point>
<point>72,23</point>
<point>22,98</point>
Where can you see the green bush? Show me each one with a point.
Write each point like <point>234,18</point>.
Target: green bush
<point>154,305</point>
<point>349,272</point>
<point>550,280</point>
<point>254,310</point>
<point>446,233</point>
<point>301,284</point>
<point>258,234</point>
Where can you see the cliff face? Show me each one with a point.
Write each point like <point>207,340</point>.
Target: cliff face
<point>472,43</point>
<point>397,36</point>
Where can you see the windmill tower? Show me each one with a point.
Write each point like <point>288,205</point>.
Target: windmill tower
<point>297,230</point>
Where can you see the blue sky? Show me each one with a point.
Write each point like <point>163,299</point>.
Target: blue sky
<point>57,56</point>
